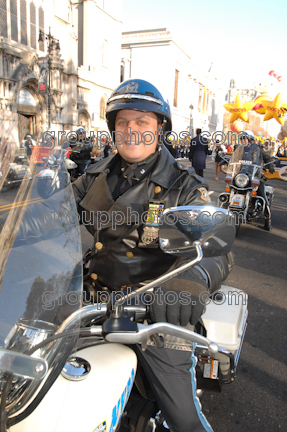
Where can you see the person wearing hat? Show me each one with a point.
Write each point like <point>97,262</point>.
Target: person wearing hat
<point>142,174</point>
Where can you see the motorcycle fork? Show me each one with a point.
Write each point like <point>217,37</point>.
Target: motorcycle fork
<point>247,201</point>
<point>55,178</point>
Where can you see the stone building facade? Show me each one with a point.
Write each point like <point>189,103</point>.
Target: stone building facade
<point>85,66</point>
<point>246,95</point>
<point>194,96</point>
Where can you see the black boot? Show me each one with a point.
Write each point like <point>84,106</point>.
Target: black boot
<point>267,225</point>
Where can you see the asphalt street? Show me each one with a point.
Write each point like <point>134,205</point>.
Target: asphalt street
<point>257,399</point>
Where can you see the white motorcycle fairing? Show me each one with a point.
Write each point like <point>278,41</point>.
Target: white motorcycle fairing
<point>46,173</point>
<point>69,164</point>
<point>94,404</point>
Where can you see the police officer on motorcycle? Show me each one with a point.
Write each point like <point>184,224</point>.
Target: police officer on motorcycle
<point>261,190</point>
<point>111,199</point>
<point>81,134</point>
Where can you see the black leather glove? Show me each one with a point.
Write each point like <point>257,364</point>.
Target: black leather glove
<point>271,168</point>
<point>175,307</point>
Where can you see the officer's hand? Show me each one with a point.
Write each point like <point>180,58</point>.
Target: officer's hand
<point>271,169</point>
<point>175,307</point>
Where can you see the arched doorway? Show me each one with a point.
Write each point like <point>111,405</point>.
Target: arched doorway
<point>85,120</point>
<point>27,111</point>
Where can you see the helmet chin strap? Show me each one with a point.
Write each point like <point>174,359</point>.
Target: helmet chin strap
<point>160,140</point>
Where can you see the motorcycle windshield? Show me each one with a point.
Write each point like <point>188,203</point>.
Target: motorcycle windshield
<point>40,272</point>
<point>246,159</point>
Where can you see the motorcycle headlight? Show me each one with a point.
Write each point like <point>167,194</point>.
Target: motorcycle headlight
<point>24,336</point>
<point>241,180</point>
<point>52,160</point>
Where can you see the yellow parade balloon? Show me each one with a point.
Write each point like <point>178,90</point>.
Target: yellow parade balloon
<point>274,110</point>
<point>258,103</point>
<point>239,110</point>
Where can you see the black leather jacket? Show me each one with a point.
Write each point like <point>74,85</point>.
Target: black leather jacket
<point>118,260</point>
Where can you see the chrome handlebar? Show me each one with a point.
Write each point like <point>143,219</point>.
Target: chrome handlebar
<point>146,331</point>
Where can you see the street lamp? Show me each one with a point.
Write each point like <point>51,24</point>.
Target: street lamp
<point>53,43</point>
<point>191,131</point>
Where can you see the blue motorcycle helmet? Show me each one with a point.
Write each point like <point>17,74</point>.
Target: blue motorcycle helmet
<point>139,95</point>
<point>249,135</point>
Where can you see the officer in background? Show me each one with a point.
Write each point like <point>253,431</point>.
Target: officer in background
<point>249,137</point>
<point>198,152</point>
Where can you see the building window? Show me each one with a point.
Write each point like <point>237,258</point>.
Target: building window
<point>207,103</point>
<point>3,18</point>
<point>175,88</point>
<point>122,72</point>
<point>56,79</point>
<point>199,100</point>
<point>102,109</point>
<point>83,94</point>
<point>14,20</point>
<point>23,12</point>
<point>5,67</point>
<point>41,27</point>
<point>33,41</point>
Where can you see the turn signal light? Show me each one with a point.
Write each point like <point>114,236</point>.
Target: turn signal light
<point>253,193</point>
<point>227,189</point>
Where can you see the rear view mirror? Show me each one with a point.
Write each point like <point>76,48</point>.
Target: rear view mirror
<point>212,227</point>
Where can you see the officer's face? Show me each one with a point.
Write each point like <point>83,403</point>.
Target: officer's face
<point>137,134</point>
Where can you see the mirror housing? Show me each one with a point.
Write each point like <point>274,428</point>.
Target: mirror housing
<point>212,227</point>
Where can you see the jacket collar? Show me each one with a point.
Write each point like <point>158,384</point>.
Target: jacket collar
<point>103,165</point>
<point>165,172</point>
